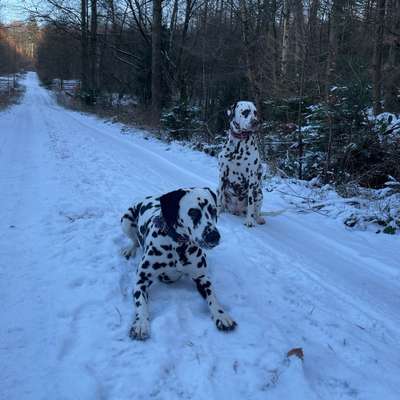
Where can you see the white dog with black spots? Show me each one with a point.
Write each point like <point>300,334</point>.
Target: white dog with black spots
<point>172,230</point>
<point>240,169</point>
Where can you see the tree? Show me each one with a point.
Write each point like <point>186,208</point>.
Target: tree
<point>378,54</point>
<point>84,48</point>
<point>156,63</point>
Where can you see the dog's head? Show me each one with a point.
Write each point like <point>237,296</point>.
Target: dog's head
<point>243,116</point>
<point>192,212</point>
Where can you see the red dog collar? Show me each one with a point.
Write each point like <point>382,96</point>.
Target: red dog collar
<point>241,134</point>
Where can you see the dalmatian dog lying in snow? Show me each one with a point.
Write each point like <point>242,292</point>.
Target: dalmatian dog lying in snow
<point>240,169</point>
<point>173,230</point>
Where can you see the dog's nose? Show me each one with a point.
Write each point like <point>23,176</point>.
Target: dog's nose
<point>213,237</point>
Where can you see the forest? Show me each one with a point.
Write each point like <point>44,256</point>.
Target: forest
<point>324,75</point>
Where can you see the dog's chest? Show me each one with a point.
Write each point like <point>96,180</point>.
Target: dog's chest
<point>241,157</point>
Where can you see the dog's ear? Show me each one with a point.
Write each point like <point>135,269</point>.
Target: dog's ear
<point>231,110</point>
<point>170,206</point>
<point>214,196</point>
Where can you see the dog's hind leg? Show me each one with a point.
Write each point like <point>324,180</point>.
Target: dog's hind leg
<point>254,200</point>
<point>129,227</point>
<point>223,178</point>
<point>258,200</point>
<point>154,263</point>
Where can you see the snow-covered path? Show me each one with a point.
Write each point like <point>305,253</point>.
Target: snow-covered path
<point>65,303</point>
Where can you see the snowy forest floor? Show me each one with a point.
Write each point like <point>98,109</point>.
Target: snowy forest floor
<point>302,280</point>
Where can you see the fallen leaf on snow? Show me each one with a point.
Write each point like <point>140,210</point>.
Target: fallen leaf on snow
<point>298,352</point>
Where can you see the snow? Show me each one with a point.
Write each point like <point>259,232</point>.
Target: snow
<point>302,280</point>
<point>358,208</point>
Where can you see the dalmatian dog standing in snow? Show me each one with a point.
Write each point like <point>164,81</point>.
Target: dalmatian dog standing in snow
<point>240,169</point>
<point>172,230</point>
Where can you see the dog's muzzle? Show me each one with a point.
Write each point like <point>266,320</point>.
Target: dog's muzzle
<point>254,123</point>
<point>211,238</point>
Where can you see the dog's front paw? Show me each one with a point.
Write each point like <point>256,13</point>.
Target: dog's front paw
<point>129,252</point>
<point>140,330</point>
<point>225,323</point>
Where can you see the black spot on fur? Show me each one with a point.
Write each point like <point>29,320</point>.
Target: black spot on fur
<point>158,265</point>
<point>146,207</point>
<point>195,215</point>
<point>135,210</point>
<point>170,206</point>
<point>154,252</point>
<point>212,210</point>
<point>192,249</point>
<point>214,196</point>
<point>181,250</point>
<point>202,263</point>
<point>127,216</point>
<point>203,287</point>
<point>165,278</point>
<point>202,204</point>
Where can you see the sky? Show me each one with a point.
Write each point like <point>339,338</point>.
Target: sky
<point>11,10</point>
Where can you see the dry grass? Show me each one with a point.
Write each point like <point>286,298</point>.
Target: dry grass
<point>7,99</point>
<point>138,117</point>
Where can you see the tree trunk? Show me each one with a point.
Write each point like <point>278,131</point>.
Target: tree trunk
<point>275,48</point>
<point>156,63</point>
<point>391,87</point>
<point>203,61</point>
<point>93,47</point>
<point>285,38</point>
<point>180,71</point>
<point>249,55</point>
<point>84,47</point>
<point>172,24</point>
<point>300,35</point>
<point>377,63</point>
<point>335,27</point>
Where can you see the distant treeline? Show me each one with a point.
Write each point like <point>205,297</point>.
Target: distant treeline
<point>17,46</point>
<point>317,70</point>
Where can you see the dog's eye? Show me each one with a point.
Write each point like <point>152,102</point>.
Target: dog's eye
<point>212,211</point>
<point>195,215</point>
<point>246,113</point>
